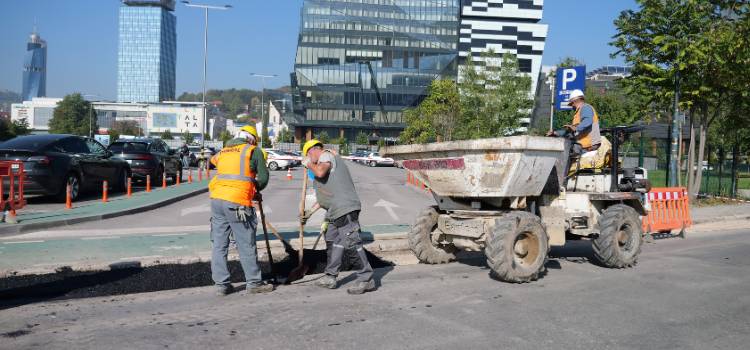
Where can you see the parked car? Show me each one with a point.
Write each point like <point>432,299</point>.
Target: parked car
<point>52,162</point>
<point>195,155</point>
<point>356,155</point>
<point>374,159</point>
<point>363,157</point>
<point>278,160</point>
<point>294,162</point>
<point>149,157</point>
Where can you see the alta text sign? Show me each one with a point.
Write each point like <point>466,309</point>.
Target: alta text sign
<point>569,79</point>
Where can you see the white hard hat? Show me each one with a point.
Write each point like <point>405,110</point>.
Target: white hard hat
<point>574,95</point>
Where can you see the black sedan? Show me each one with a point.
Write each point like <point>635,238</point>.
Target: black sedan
<point>52,162</point>
<point>149,157</point>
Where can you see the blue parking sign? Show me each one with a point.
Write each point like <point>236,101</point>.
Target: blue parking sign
<point>569,79</point>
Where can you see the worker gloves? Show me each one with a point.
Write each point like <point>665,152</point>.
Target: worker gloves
<point>304,217</point>
<point>240,213</point>
<point>306,160</point>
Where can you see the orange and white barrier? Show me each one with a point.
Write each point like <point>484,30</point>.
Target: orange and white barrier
<point>669,210</point>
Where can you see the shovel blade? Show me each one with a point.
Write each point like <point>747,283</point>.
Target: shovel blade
<point>297,274</point>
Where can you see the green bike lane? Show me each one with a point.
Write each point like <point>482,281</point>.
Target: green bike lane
<point>120,206</point>
<point>15,255</point>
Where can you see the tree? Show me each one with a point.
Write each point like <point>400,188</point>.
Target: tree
<point>188,137</point>
<point>703,40</point>
<point>362,139</point>
<point>124,127</point>
<point>343,145</point>
<point>266,141</point>
<point>113,135</point>
<point>167,135</point>
<point>225,136</point>
<point>19,128</point>
<point>324,138</point>
<point>437,116</point>
<point>381,143</point>
<point>496,96</point>
<point>207,137</point>
<point>285,136</point>
<point>71,116</point>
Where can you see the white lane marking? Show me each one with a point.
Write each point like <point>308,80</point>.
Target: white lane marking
<point>267,209</point>
<point>24,242</point>
<point>388,207</point>
<point>143,257</point>
<point>161,249</point>
<point>93,238</point>
<point>198,209</point>
<point>173,234</point>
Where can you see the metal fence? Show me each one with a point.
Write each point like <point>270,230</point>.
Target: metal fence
<point>292,147</point>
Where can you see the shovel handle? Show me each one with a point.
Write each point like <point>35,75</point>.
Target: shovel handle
<point>268,245</point>
<point>301,226</point>
<point>273,230</point>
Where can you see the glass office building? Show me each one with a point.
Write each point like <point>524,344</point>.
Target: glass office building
<point>147,53</point>
<point>35,68</point>
<point>360,63</point>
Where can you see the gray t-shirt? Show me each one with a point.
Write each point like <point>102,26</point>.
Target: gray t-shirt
<point>329,158</point>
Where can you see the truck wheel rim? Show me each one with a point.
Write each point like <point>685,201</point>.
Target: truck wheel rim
<point>526,248</point>
<point>625,238</point>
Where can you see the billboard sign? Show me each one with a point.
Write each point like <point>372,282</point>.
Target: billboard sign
<point>165,120</point>
<point>103,139</point>
<point>569,79</point>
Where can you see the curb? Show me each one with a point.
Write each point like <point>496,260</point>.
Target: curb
<point>11,230</point>
<point>382,243</point>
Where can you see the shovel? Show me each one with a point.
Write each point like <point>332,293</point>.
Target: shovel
<point>299,272</point>
<point>287,247</point>
<point>268,246</point>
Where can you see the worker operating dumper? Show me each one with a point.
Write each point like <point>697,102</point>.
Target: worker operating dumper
<point>335,192</point>
<point>233,191</point>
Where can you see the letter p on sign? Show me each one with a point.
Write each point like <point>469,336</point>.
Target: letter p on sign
<point>569,75</point>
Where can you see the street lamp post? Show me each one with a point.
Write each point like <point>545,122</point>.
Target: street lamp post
<point>205,48</point>
<point>91,102</point>
<point>262,95</point>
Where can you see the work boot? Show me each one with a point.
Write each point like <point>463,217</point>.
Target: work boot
<point>327,281</point>
<point>224,292</point>
<point>258,287</point>
<point>361,287</point>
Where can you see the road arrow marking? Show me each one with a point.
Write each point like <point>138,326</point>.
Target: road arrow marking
<point>198,209</point>
<point>388,207</point>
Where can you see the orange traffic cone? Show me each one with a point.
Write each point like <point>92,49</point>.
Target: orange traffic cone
<point>289,174</point>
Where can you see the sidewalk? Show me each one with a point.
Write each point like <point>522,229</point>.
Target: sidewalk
<point>120,206</point>
<point>720,213</point>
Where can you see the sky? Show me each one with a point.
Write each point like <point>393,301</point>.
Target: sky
<point>253,37</point>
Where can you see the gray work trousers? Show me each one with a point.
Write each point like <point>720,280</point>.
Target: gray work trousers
<point>224,222</point>
<point>345,237</point>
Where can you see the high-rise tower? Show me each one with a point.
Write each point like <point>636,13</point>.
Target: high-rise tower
<point>35,67</point>
<point>147,54</point>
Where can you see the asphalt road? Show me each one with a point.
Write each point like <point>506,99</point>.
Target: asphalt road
<point>683,294</point>
<point>379,188</point>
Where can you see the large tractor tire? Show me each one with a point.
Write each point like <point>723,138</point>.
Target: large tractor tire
<point>517,247</point>
<point>421,242</point>
<point>620,237</point>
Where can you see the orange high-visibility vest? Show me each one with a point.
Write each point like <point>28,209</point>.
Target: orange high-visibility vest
<point>585,139</point>
<point>234,181</point>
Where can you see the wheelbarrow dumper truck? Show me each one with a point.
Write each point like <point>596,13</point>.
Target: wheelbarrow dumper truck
<point>515,197</point>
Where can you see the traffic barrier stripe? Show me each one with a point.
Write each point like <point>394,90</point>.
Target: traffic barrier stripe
<point>669,209</point>
<point>13,171</point>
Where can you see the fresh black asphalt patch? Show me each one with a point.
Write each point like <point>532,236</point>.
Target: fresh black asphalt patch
<point>70,284</point>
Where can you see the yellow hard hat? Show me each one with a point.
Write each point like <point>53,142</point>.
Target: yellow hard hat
<point>250,129</point>
<point>265,155</point>
<point>310,144</point>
